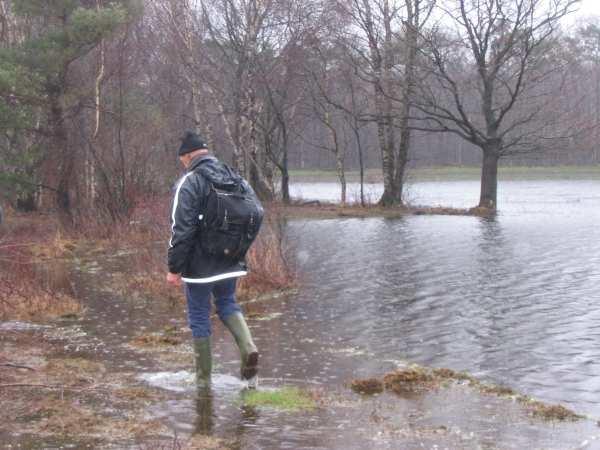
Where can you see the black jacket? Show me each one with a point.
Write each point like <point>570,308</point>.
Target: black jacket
<point>185,255</point>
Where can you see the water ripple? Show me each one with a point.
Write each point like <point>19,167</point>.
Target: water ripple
<point>513,299</point>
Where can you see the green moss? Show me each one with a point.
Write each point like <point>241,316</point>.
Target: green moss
<point>286,398</point>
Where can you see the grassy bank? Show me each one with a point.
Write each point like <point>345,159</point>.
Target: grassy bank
<point>456,173</point>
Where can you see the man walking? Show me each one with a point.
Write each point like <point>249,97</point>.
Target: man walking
<point>214,219</point>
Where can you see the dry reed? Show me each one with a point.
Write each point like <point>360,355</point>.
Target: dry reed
<point>25,242</point>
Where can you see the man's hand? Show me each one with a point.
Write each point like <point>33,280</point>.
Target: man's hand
<point>174,279</point>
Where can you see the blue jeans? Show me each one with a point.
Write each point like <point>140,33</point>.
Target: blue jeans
<point>199,304</point>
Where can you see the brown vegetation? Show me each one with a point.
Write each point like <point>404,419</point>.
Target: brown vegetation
<point>46,395</point>
<point>550,412</point>
<point>324,210</point>
<point>368,386</point>
<point>170,336</point>
<point>201,442</point>
<point>27,242</point>
<point>25,292</point>
<point>269,268</point>
<point>417,378</point>
<point>410,379</point>
<point>26,302</point>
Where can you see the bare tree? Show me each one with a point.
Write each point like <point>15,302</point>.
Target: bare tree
<point>357,101</point>
<point>587,53</point>
<point>383,41</point>
<point>376,21</point>
<point>242,30</point>
<point>489,81</point>
<point>282,86</point>
<point>418,13</point>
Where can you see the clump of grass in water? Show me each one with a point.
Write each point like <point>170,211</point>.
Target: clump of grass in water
<point>156,340</point>
<point>549,412</point>
<point>368,386</point>
<point>286,398</point>
<point>414,376</point>
<point>417,378</point>
<point>169,336</point>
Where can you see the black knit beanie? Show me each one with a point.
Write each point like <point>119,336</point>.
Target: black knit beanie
<point>190,142</point>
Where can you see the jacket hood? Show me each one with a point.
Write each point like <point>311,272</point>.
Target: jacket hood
<point>199,160</point>
<point>217,173</point>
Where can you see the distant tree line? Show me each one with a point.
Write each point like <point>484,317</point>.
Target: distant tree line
<point>94,94</point>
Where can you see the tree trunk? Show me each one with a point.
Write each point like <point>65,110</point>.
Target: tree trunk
<point>65,157</point>
<point>361,165</point>
<point>386,84</point>
<point>489,175</point>
<point>382,63</point>
<point>407,97</point>
<point>403,148</point>
<point>401,161</point>
<point>285,186</point>
<point>285,177</point>
<point>341,174</point>
<point>240,126</point>
<point>387,198</point>
<point>257,179</point>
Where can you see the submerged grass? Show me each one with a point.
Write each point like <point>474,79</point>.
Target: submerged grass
<point>418,378</point>
<point>153,340</point>
<point>367,386</point>
<point>170,336</point>
<point>48,394</point>
<point>409,379</point>
<point>286,398</point>
<point>28,303</point>
<point>549,412</point>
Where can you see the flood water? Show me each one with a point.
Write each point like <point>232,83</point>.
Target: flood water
<point>514,299</point>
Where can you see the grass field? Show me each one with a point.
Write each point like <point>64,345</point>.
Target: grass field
<point>457,173</point>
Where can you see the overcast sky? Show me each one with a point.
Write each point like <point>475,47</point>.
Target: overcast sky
<point>588,8</point>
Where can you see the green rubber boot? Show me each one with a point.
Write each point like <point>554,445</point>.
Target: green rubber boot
<point>236,324</point>
<point>203,356</point>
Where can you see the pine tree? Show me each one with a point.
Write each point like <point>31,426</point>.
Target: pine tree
<point>35,93</point>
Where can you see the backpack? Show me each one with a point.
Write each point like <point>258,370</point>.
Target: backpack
<point>233,213</point>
